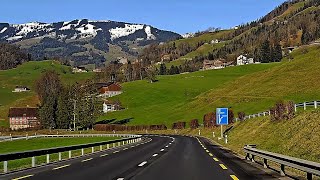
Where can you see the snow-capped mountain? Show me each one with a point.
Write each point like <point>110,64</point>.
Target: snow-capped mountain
<point>83,41</point>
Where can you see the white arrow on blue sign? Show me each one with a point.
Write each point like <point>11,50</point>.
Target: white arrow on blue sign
<point>222,116</point>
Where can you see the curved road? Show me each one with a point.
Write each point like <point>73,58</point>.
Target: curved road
<point>155,158</point>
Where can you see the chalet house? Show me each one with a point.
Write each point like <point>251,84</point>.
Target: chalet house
<point>215,41</point>
<point>21,89</point>
<point>244,59</point>
<point>22,118</point>
<point>213,64</point>
<point>123,60</point>
<point>110,106</point>
<point>166,58</point>
<point>79,69</point>
<point>109,89</point>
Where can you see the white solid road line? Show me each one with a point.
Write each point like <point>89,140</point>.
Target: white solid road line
<point>142,164</point>
<point>154,155</point>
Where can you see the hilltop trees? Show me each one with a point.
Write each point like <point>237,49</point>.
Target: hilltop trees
<point>57,102</point>
<point>267,52</point>
<point>11,56</point>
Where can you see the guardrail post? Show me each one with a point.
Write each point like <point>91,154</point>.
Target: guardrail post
<point>247,156</point>
<point>82,151</point>
<point>33,161</point>
<point>305,106</point>
<point>295,108</point>
<point>282,171</point>
<point>70,155</point>
<point>118,143</point>
<point>309,176</point>
<point>60,158</point>
<point>92,149</point>
<point>100,147</point>
<point>265,163</point>
<point>48,158</point>
<point>252,158</point>
<point>315,104</point>
<point>5,166</point>
<point>108,146</point>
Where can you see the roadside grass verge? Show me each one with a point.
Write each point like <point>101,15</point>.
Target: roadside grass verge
<point>45,143</point>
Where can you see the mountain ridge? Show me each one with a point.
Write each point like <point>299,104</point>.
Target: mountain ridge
<point>72,38</point>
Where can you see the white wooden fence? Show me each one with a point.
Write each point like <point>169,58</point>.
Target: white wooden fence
<point>303,105</point>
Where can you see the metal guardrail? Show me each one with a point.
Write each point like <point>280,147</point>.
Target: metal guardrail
<point>311,168</point>
<point>33,154</point>
<point>314,104</point>
<point>12,138</point>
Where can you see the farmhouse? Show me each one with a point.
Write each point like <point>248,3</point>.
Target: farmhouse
<point>110,106</point>
<point>244,59</point>
<point>79,69</point>
<point>109,89</point>
<point>213,64</point>
<point>21,89</point>
<point>22,118</point>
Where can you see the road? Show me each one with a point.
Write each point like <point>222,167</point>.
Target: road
<point>155,158</point>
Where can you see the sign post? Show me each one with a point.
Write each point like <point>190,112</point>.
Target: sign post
<point>222,118</point>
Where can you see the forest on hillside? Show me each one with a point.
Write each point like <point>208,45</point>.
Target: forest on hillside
<point>293,23</point>
<point>11,56</point>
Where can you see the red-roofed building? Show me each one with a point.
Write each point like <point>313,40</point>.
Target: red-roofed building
<point>22,118</point>
<point>109,89</point>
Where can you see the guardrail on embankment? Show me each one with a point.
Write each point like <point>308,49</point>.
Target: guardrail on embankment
<point>311,168</point>
<point>5,158</point>
<point>304,105</point>
<point>12,138</point>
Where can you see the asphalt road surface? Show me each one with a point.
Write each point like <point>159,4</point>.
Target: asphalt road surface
<point>154,158</point>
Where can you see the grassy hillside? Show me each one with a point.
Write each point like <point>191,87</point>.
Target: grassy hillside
<point>292,80</point>
<point>250,88</point>
<point>26,75</point>
<point>161,102</point>
<point>201,51</point>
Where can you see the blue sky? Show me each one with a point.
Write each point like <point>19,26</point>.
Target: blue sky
<point>176,15</point>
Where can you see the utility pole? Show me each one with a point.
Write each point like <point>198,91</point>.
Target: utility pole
<point>74,114</point>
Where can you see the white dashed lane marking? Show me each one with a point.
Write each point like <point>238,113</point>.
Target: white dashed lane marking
<point>142,164</point>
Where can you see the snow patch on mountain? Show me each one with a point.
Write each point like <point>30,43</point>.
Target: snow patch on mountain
<point>3,30</point>
<point>150,36</point>
<point>14,38</point>
<point>88,29</point>
<point>127,30</point>
<point>24,29</point>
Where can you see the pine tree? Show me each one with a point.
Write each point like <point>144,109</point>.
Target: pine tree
<point>265,53</point>
<point>47,112</point>
<point>277,53</point>
<point>163,69</point>
<point>64,110</point>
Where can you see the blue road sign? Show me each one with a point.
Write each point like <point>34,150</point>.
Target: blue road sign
<point>222,116</point>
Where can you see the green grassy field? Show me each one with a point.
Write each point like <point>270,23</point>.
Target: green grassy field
<point>44,143</point>
<point>201,51</point>
<point>250,88</point>
<point>26,75</point>
<point>160,102</point>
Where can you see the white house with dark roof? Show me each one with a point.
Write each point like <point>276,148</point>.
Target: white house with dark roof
<point>244,59</point>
